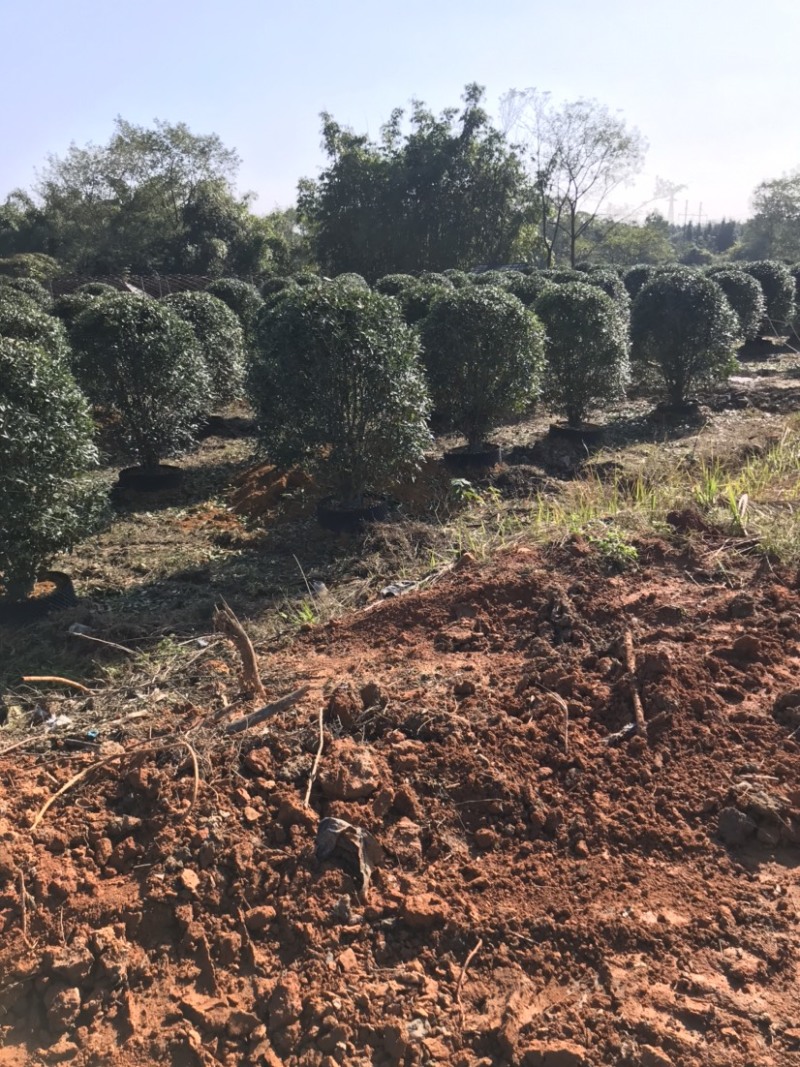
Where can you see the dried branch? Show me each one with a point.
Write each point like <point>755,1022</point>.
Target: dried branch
<point>267,712</point>
<point>317,758</point>
<point>630,666</point>
<point>226,622</point>
<point>56,678</point>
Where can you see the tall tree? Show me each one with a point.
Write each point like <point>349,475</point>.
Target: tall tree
<point>773,232</point>
<point>579,152</point>
<point>152,199</point>
<point>448,192</point>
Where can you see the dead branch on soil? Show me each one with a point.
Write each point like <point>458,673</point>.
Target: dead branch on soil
<point>266,712</point>
<point>463,974</point>
<point>58,679</point>
<point>102,641</point>
<point>317,758</point>
<point>23,896</point>
<point>135,752</point>
<point>226,622</point>
<point>630,667</point>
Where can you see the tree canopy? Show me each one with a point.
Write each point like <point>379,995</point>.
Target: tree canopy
<point>448,192</point>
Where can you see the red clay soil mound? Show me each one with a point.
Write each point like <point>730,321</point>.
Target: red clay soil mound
<point>545,893</point>
<point>261,489</point>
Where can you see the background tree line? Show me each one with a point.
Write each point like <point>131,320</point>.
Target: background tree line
<point>432,192</point>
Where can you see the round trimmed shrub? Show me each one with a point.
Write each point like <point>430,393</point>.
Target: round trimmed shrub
<point>355,281</point>
<point>96,289</point>
<point>745,296</point>
<point>684,329</point>
<point>274,285</point>
<point>23,320</point>
<point>637,276</point>
<point>528,287</point>
<point>45,450</point>
<point>30,265</point>
<point>219,334</point>
<point>304,278</point>
<point>435,278</point>
<point>498,279</point>
<point>777,284</point>
<point>241,297</point>
<point>31,288</point>
<point>394,284</point>
<point>457,278</point>
<point>337,384</point>
<point>586,346</point>
<point>484,354</point>
<point>563,276</point>
<point>139,359</point>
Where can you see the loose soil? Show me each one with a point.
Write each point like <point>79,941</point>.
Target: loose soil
<point>546,895</point>
<point>550,890</point>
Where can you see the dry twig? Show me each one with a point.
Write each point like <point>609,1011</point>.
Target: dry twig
<point>56,678</point>
<point>317,758</point>
<point>225,622</point>
<point>267,712</point>
<point>461,977</point>
<point>23,896</point>
<point>102,641</point>
<point>630,666</point>
<point>142,751</point>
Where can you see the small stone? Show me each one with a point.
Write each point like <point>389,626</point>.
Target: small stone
<point>555,1054</point>
<point>348,961</point>
<point>421,911</point>
<point>258,919</point>
<point>651,1056</point>
<point>486,838</point>
<point>250,815</point>
<point>734,827</point>
<point>189,880</point>
<point>747,647</point>
<point>581,850</point>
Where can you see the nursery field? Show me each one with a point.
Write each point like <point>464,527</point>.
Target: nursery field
<point>555,709</point>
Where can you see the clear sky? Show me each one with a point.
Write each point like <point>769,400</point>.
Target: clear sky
<point>712,84</point>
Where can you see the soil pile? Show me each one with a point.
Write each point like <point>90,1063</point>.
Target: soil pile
<point>491,868</point>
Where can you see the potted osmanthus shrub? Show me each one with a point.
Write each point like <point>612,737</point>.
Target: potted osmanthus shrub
<point>220,337</point>
<point>46,450</point>
<point>587,355</point>
<point>685,331</point>
<point>140,361</point>
<point>337,386</point>
<point>483,354</point>
<point>745,296</point>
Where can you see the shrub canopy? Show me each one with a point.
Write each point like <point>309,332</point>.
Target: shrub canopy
<point>45,449</point>
<point>140,359</point>
<point>483,353</point>
<point>745,296</point>
<point>586,348</point>
<point>637,276</point>
<point>777,284</point>
<point>683,327</point>
<point>241,297</point>
<point>31,288</point>
<point>24,320</point>
<point>337,384</point>
<point>218,331</point>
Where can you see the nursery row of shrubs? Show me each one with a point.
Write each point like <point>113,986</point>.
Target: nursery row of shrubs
<point>337,372</point>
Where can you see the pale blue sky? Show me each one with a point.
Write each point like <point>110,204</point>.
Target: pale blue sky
<point>712,84</point>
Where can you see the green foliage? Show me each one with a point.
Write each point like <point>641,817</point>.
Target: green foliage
<point>745,296</point>
<point>141,360</point>
<point>528,287</point>
<point>457,278</point>
<point>394,284</point>
<point>498,279</point>
<point>274,285</point>
<point>586,349</point>
<point>611,283</point>
<point>637,276</point>
<point>45,449</point>
<point>337,383</point>
<point>436,278</point>
<point>96,289</point>
<point>31,288</point>
<point>448,192</point>
<point>34,265</point>
<point>684,328</point>
<point>483,353</point>
<point>220,336</point>
<point>354,281</point>
<point>777,284</point>
<point>68,307</point>
<point>617,553</point>
<point>241,297</point>
<point>23,320</point>
<point>774,229</point>
<point>304,278</point>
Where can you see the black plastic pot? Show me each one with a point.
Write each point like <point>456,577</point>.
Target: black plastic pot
<point>586,435</point>
<point>19,612</point>
<point>148,480</point>
<point>465,462</point>
<point>331,515</point>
